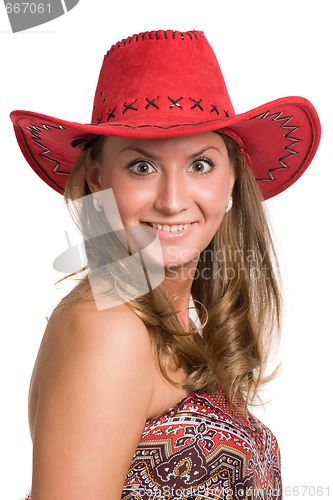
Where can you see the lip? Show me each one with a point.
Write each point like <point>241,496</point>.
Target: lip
<point>175,223</point>
<point>164,235</point>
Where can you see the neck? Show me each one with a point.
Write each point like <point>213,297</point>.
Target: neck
<point>178,282</point>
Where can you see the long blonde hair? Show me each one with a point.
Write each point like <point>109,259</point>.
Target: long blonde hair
<point>235,290</point>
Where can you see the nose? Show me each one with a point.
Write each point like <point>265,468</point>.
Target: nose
<point>172,194</point>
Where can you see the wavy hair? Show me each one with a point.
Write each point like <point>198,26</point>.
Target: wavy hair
<point>235,289</point>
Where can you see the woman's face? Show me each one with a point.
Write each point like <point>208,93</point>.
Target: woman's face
<point>170,182</point>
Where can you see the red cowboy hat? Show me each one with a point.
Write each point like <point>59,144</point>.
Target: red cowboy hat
<point>165,84</point>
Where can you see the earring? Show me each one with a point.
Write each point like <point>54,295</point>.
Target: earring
<point>229,205</point>
<point>97,206</point>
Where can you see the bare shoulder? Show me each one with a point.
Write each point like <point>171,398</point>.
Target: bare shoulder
<point>82,323</point>
<point>93,385</point>
<point>78,329</point>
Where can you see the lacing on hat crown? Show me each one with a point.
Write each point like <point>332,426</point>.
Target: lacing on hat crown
<point>157,35</point>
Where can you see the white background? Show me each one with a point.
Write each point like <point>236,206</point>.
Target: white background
<point>267,49</point>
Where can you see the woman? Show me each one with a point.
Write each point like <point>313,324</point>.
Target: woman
<point>128,398</point>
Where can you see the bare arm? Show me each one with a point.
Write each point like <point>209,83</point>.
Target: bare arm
<point>94,390</point>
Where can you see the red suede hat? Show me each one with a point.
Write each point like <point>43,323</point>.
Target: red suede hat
<point>165,84</point>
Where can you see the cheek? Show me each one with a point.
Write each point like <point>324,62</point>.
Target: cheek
<point>129,200</point>
<point>215,199</point>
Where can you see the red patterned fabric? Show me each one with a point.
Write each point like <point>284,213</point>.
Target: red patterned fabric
<point>200,449</point>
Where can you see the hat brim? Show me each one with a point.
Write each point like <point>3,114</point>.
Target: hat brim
<point>280,137</point>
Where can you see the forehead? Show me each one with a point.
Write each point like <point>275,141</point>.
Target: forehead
<point>184,145</point>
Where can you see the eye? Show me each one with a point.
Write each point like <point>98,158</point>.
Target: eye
<point>202,166</point>
<point>141,167</point>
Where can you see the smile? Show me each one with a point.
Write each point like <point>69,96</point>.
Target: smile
<point>173,232</point>
<point>169,229</point>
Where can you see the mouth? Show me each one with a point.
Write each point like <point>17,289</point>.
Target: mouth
<point>172,228</point>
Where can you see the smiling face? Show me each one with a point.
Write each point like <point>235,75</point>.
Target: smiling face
<point>180,185</point>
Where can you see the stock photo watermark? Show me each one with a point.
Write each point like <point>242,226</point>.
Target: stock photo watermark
<point>126,263</point>
<point>226,493</point>
<point>26,15</point>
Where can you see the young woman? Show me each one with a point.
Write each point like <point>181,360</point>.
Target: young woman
<point>129,398</point>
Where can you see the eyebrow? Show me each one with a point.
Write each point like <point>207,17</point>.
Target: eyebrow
<point>147,154</point>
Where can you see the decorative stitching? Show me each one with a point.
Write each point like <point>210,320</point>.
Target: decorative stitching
<point>34,130</point>
<point>129,106</point>
<point>111,114</point>
<point>226,113</point>
<point>196,104</point>
<point>154,34</point>
<point>214,108</point>
<point>105,98</point>
<point>151,102</point>
<point>175,102</point>
<point>284,125</point>
<point>159,126</point>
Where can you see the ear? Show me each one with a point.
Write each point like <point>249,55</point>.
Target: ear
<point>92,176</point>
<point>233,178</point>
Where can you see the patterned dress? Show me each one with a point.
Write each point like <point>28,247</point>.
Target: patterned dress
<point>202,450</point>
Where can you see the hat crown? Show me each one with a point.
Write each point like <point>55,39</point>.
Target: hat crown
<point>153,75</point>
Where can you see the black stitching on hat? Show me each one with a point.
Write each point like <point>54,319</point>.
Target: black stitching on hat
<point>105,98</point>
<point>196,104</point>
<point>129,106</point>
<point>99,120</point>
<point>151,102</point>
<point>175,102</point>
<point>35,130</point>
<point>101,93</point>
<point>160,127</point>
<point>226,113</point>
<point>111,115</point>
<point>155,34</point>
<point>214,108</point>
<point>277,118</point>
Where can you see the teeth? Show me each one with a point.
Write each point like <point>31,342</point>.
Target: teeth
<point>168,229</point>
